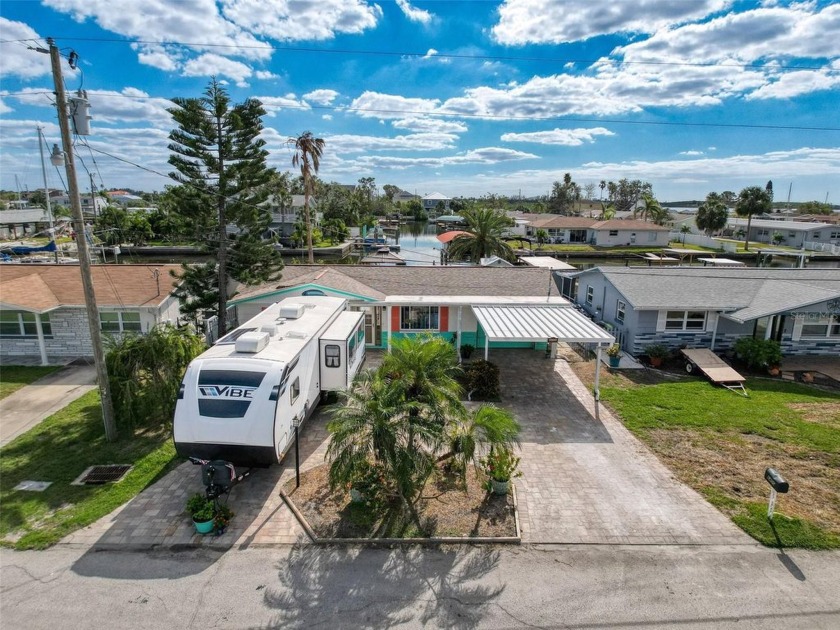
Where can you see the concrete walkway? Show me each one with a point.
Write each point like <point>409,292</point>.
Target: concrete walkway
<point>33,403</point>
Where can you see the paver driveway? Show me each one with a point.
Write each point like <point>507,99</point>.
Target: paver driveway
<point>587,479</point>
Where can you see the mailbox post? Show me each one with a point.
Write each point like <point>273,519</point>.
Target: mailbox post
<point>777,484</point>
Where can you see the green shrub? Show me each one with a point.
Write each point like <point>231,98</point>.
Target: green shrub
<point>482,380</point>
<point>758,354</point>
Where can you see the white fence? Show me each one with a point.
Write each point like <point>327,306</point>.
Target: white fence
<point>704,241</point>
<point>822,247</point>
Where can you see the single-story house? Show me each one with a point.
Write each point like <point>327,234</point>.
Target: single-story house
<point>16,224</point>
<point>793,233</point>
<point>42,307</point>
<point>91,205</point>
<point>709,307</point>
<point>485,307</point>
<point>611,233</point>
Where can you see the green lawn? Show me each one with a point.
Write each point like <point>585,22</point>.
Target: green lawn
<point>13,377</point>
<point>59,450</point>
<point>720,443</point>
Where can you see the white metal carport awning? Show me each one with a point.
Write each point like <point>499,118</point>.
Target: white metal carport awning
<point>539,323</point>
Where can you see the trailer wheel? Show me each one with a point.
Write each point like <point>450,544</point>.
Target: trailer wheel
<point>689,367</point>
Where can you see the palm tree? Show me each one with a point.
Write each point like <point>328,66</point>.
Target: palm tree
<point>485,227</point>
<point>542,237</point>
<point>685,229</point>
<point>752,200</point>
<point>396,417</point>
<point>651,207</point>
<point>602,185</point>
<point>486,427</point>
<point>308,150</point>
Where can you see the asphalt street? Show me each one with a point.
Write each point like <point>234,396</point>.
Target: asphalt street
<point>581,586</point>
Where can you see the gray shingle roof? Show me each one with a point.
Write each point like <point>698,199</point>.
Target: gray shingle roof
<point>379,282</point>
<point>718,288</point>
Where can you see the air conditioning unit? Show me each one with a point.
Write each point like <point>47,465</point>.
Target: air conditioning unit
<point>292,310</point>
<point>252,342</point>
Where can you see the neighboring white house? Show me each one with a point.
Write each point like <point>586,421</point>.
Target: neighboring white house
<point>90,205</point>
<point>42,307</point>
<point>123,197</point>
<point>612,233</point>
<point>793,233</point>
<point>18,223</point>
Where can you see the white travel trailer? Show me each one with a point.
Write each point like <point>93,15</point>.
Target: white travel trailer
<point>240,399</point>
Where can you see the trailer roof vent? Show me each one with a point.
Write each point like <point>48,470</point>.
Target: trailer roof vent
<point>296,334</point>
<point>291,310</point>
<point>252,342</point>
<point>269,329</point>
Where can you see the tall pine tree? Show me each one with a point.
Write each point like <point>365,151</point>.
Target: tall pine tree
<point>220,161</point>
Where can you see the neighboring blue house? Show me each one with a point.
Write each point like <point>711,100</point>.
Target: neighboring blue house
<point>707,307</point>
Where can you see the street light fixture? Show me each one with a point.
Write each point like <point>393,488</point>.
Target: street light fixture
<point>57,156</point>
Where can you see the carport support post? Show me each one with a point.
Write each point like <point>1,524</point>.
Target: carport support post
<point>297,457</point>
<point>486,347</point>
<point>597,372</point>
<point>458,342</point>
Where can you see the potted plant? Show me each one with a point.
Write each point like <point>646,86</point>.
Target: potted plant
<point>656,353</point>
<point>501,465</point>
<point>466,350</point>
<point>614,353</point>
<point>203,512</point>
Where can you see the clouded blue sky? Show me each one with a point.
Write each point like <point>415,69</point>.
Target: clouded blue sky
<point>462,98</point>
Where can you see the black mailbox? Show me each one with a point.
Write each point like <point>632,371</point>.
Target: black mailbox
<point>776,481</point>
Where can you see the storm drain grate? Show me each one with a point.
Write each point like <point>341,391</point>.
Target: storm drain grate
<point>96,475</point>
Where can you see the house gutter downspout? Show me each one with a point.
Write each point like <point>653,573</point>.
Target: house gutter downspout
<point>390,324</point>
<point>458,342</point>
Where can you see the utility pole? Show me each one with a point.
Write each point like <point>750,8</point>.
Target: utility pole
<point>81,246</point>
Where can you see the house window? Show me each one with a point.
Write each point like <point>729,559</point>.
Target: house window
<point>685,320</point>
<point>791,234</point>
<point>817,235</point>
<point>613,232</point>
<point>419,317</point>
<point>835,235</point>
<point>119,321</point>
<point>620,308</point>
<point>294,392</point>
<point>590,295</point>
<point>22,324</point>
<point>332,356</point>
<point>823,327</point>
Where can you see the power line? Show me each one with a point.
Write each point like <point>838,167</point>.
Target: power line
<point>552,118</point>
<point>437,55</point>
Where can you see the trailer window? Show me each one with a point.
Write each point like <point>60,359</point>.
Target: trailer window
<point>294,392</point>
<point>332,356</point>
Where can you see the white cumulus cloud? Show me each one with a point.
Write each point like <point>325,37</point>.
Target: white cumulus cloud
<point>17,59</point>
<point>414,14</point>
<point>211,64</point>
<point>545,22</point>
<point>564,137</point>
<point>321,97</point>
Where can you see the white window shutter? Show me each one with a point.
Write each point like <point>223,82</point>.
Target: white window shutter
<point>711,320</point>
<point>797,327</point>
<point>660,321</point>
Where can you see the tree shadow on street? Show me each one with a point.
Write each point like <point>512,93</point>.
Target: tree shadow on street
<point>382,588</point>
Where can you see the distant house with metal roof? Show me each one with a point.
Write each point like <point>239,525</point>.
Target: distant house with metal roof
<point>705,307</point>
<point>793,233</point>
<point>18,223</point>
<point>42,307</point>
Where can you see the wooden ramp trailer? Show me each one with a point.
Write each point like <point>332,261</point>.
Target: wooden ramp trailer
<point>715,368</point>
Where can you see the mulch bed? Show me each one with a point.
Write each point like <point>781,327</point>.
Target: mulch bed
<point>445,509</point>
